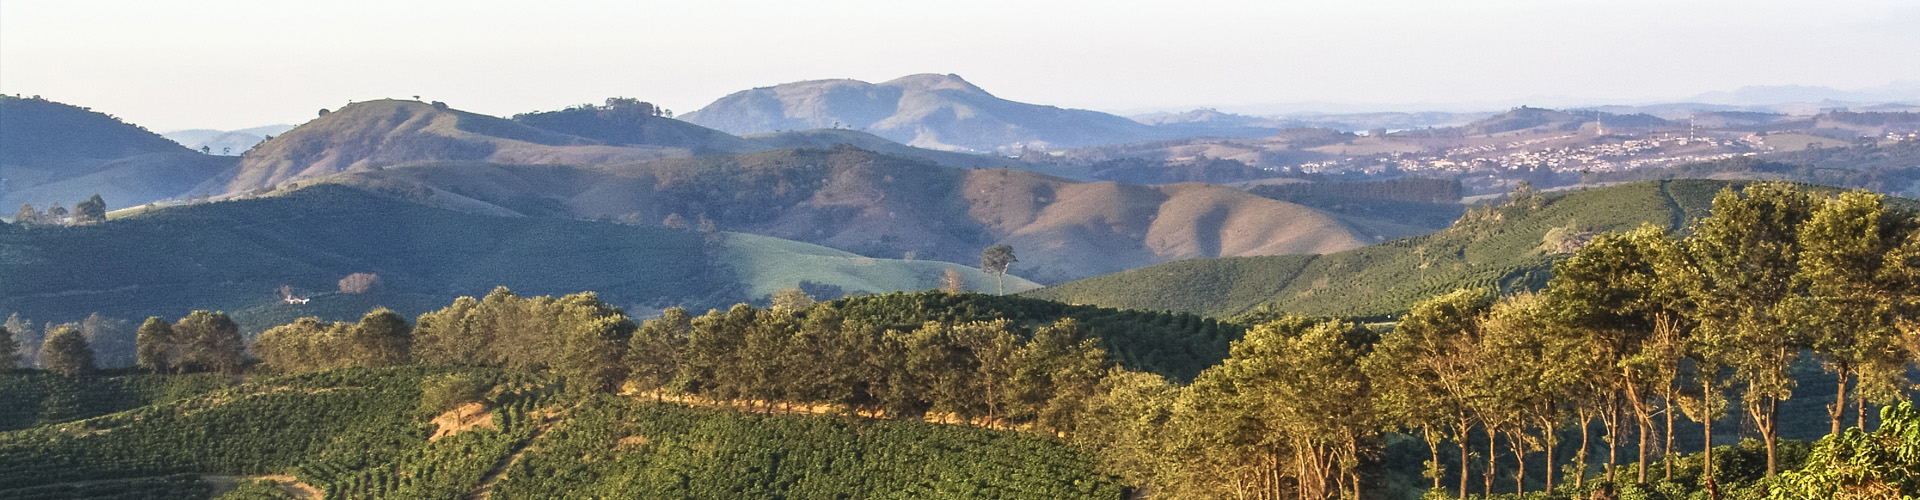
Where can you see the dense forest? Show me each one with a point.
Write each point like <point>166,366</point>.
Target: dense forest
<point>1620,379</point>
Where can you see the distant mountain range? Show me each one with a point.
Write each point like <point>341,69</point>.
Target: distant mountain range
<point>943,112</point>
<point>58,153</point>
<point>224,142</point>
<point>1761,95</point>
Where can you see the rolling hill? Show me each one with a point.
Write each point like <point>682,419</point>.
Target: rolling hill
<point>236,255</point>
<point>372,135</point>
<point>887,206</point>
<point>57,153</point>
<point>376,134</point>
<point>1505,247</point>
<point>928,110</point>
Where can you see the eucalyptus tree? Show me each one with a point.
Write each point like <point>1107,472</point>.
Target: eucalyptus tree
<point>1850,311</point>
<point>1423,373</point>
<point>1748,253</point>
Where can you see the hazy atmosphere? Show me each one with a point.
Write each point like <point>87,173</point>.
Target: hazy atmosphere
<point>230,65</point>
<point>988,250</point>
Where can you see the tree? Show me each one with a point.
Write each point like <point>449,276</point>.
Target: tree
<point>66,352</point>
<point>1423,373</point>
<point>1851,309</point>
<point>359,282</point>
<point>592,340</point>
<point>26,215</point>
<point>453,335</point>
<point>9,350</point>
<point>1748,251</point>
<point>674,221</point>
<point>381,339</point>
<point>952,282</point>
<point>995,260</point>
<point>56,214</point>
<point>93,210</point>
<point>113,346</point>
<point>209,341</point>
<point>658,349</point>
<point>791,300</point>
<point>26,340</point>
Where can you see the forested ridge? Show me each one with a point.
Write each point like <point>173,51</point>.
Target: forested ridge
<point>1620,378</point>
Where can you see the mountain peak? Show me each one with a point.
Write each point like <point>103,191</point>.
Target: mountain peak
<point>932,81</point>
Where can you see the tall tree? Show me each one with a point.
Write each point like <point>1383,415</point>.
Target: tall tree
<point>92,210</point>
<point>26,215</point>
<point>1748,252</point>
<point>154,349</point>
<point>1850,311</point>
<point>66,352</point>
<point>210,341</point>
<point>995,260</point>
<point>382,339</point>
<point>952,282</point>
<point>791,300</point>
<point>9,350</point>
<point>658,349</point>
<point>1423,373</point>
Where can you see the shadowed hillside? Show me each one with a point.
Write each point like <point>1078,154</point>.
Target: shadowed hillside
<point>886,206</point>
<point>928,111</point>
<point>236,255</point>
<point>1509,247</point>
<point>58,153</point>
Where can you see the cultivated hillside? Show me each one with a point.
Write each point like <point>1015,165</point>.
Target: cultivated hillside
<point>1509,247</point>
<point>930,111</point>
<point>236,255</point>
<point>375,134</point>
<point>58,153</point>
<point>377,433</point>
<point>887,206</point>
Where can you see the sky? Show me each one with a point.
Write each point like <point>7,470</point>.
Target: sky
<point>171,65</point>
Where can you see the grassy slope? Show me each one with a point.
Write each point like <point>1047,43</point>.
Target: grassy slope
<point>1387,278</point>
<point>235,256</point>
<point>767,264</point>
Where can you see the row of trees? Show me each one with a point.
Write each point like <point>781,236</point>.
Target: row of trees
<point>89,211</point>
<point>995,373</point>
<point>1634,331</point>
<point>64,352</point>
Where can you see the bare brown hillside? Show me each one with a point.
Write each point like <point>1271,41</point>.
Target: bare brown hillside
<point>888,206</point>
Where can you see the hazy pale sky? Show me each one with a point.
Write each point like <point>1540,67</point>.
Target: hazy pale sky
<point>235,64</point>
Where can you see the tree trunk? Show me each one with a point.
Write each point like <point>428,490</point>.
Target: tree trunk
<point>1520,460</point>
<point>1580,457</point>
<point>1553,441</point>
<point>1611,420</point>
<point>1433,450</point>
<point>1771,432</point>
<point>1666,454</point>
<point>1706,468</point>
<point>1860,414</point>
<point>1644,427</point>
<point>1491,466</point>
<point>1466,466</point>
<point>1839,407</point>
